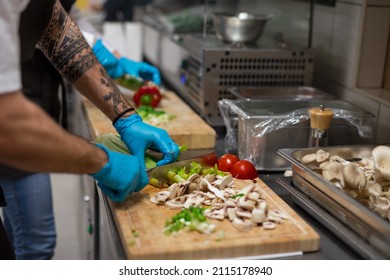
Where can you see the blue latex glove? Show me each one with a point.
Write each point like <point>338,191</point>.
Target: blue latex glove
<point>122,175</point>
<point>118,67</point>
<point>139,136</point>
<point>140,69</point>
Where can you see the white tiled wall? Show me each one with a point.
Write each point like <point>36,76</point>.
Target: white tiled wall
<point>374,47</point>
<point>350,41</point>
<point>344,48</point>
<point>336,41</point>
<point>383,130</point>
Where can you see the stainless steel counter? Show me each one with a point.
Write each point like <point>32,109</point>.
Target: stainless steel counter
<point>331,246</point>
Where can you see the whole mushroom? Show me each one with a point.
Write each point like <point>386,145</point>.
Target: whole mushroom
<point>333,171</point>
<point>381,155</point>
<point>354,176</point>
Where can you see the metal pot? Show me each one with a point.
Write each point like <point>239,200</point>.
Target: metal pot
<point>239,28</point>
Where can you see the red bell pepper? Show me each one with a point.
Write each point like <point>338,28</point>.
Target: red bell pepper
<point>148,95</point>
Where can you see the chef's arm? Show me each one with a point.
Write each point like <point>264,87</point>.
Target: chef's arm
<point>32,141</point>
<point>46,146</point>
<point>65,46</point>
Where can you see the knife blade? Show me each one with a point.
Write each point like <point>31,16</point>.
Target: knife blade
<point>160,172</point>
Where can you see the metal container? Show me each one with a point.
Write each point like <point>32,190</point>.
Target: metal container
<point>359,226</point>
<point>292,93</point>
<point>239,28</point>
<point>257,129</point>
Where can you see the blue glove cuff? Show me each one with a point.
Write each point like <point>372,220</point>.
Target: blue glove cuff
<point>106,167</point>
<point>122,124</point>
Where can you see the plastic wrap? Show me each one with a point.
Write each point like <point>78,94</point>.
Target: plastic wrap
<point>363,125</point>
<point>247,132</point>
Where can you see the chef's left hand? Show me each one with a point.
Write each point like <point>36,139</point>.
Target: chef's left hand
<point>139,136</point>
<point>140,69</point>
<point>118,67</point>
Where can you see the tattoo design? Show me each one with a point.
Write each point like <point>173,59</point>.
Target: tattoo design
<point>114,93</point>
<point>64,45</point>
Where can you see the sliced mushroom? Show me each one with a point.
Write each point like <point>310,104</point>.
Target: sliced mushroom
<point>255,196</point>
<point>246,203</point>
<point>206,195</point>
<point>241,224</point>
<point>216,214</point>
<point>210,177</point>
<point>259,214</point>
<point>218,193</point>
<point>193,200</point>
<point>193,177</point>
<point>160,197</point>
<point>175,203</point>
<point>269,225</point>
<point>194,183</point>
<point>223,182</point>
<point>274,219</point>
<point>231,213</point>
<point>243,213</point>
<point>278,214</point>
<point>178,189</point>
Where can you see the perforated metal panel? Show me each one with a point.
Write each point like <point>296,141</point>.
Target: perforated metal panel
<point>209,77</point>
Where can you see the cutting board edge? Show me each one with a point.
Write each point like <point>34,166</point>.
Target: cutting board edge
<point>227,252</point>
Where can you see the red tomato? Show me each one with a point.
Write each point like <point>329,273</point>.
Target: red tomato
<point>210,160</point>
<point>243,169</point>
<point>226,162</point>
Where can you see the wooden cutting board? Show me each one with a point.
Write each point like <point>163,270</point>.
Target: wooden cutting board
<point>139,215</point>
<point>186,129</point>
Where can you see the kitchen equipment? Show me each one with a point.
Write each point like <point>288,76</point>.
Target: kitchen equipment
<point>320,118</point>
<point>201,68</point>
<point>239,28</point>
<point>160,172</point>
<point>257,129</point>
<point>356,221</point>
<point>138,214</point>
<point>211,68</point>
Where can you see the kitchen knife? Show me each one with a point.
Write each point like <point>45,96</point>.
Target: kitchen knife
<point>160,172</point>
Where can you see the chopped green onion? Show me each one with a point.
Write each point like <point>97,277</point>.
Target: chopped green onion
<point>190,219</point>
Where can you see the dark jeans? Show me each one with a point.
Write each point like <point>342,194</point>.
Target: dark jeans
<point>6,251</point>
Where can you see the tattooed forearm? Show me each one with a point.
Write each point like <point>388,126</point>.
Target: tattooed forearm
<point>114,94</point>
<point>65,47</point>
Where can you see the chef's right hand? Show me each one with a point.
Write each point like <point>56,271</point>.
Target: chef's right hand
<point>122,175</point>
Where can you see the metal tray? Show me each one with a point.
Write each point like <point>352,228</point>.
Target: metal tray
<point>372,228</point>
<point>291,93</point>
